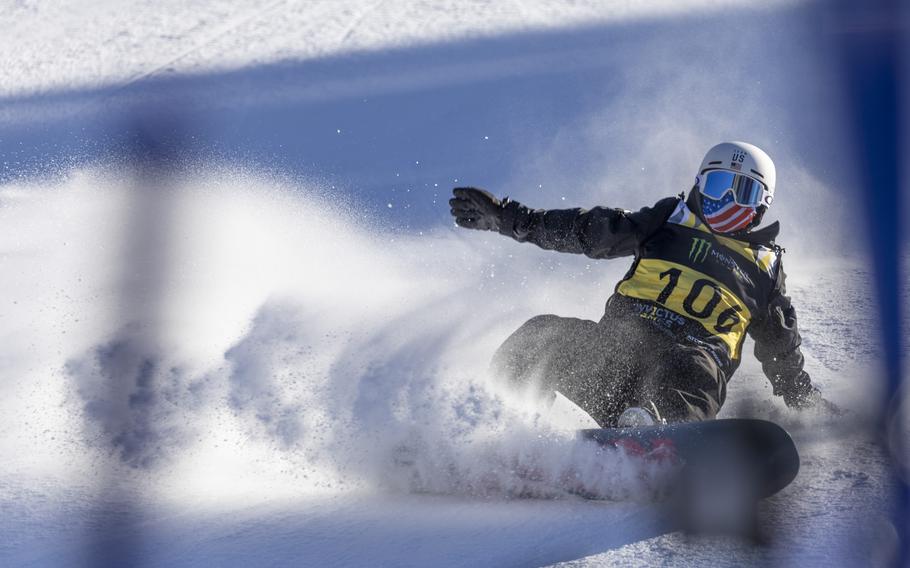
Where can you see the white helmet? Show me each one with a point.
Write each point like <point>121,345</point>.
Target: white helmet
<point>742,159</point>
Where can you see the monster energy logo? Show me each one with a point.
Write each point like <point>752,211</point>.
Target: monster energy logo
<point>698,252</point>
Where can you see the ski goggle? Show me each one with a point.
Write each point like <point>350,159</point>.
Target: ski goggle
<point>747,191</point>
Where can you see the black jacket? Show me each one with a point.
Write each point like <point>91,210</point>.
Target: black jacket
<point>603,233</point>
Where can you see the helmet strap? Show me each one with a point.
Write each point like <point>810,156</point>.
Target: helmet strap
<point>759,213</point>
<point>694,203</point>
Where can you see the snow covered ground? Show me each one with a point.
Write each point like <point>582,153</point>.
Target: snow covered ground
<point>217,360</point>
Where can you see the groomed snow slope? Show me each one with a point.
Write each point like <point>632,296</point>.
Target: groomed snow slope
<point>220,361</point>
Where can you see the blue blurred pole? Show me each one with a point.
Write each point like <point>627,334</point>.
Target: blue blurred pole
<point>870,35</point>
<point>155,141</point>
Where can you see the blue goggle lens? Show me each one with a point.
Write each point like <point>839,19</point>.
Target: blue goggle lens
<point>746,191</point>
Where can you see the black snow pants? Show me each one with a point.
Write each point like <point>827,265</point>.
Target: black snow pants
<point>608,366</point>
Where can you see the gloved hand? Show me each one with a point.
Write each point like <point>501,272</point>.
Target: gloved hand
<point>812,398</point>
<point>476,209</point>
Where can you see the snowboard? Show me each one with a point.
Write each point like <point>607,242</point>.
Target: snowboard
<point>756,457</point>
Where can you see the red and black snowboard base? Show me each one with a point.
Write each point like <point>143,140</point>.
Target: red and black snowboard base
<point>759,454</point>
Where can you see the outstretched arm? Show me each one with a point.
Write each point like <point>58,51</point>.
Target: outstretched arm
<point>598,233</point>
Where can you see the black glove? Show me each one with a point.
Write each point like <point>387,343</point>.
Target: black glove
<point>811,397</point>
<point>798,392</point>
<point>477,209</point>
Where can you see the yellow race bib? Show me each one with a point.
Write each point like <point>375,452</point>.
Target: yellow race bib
<point>692,294</point>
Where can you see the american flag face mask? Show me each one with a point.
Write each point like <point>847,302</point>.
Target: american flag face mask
<point>724,215</point>
<point>729,200</point>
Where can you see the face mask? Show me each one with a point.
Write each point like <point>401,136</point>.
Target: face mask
<point>724,215</point>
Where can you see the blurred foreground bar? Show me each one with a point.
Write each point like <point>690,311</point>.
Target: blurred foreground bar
<point>871,39</point>
<point>155,142</point>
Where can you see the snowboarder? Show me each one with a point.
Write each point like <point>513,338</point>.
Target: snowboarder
<point>672,333</point>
